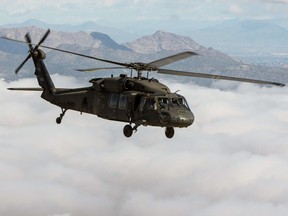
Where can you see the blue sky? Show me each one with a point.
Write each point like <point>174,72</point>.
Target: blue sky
<point>119,12</point>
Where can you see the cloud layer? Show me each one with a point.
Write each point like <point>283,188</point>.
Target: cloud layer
<point>232,161</point>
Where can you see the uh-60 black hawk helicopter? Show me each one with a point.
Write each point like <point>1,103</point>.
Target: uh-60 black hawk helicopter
<point>134,100</point>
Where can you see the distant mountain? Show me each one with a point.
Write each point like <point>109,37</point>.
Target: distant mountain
<point>244,36</point>
<point>160,41</point>
<point>107,41</point>
<point>145,49</point>
<point>57,38</point>
<point>230,36</point>
<point>116,33</point>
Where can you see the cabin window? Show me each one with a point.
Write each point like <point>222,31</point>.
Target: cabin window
<point>113,100</point>
<point>150,104</point>
<point>122,101</point>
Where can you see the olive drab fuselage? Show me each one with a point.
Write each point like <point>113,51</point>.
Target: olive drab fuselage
<point>138,100</point>
<point>142,102</point>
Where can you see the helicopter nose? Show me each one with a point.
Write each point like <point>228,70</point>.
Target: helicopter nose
<point>183,119</point>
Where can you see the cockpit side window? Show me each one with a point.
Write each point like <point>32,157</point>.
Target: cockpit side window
<point>163,102</point>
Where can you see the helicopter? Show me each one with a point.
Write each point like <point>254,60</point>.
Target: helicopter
<point>134,100</point>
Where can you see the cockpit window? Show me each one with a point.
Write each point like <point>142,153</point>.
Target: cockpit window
<point>183,103</point>
<point>172,102</point>
<point>163,103</point>
<point>175,102</point>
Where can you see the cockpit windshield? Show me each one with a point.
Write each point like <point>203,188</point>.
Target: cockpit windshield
<point>175,102</point>
<point>179,102</point>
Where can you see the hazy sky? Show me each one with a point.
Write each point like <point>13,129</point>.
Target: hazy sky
<point>114,12</point>
<point>232,161</point>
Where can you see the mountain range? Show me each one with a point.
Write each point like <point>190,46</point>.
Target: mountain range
<point>247,36</point>
<point>232,36</point>
<point>144,49</point>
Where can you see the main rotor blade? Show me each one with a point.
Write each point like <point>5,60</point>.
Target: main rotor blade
<point>14,40</point>
<point>214,76</point>
<point>21,65</point>
<point>69,52</point>
<point>96,69</point>
<point>86,56</point>
<point>171,59</point>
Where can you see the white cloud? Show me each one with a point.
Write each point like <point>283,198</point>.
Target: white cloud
<point>235,9</point>
<point>232,161</point>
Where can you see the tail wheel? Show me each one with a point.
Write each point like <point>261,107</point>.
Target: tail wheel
<point>169,132</point>
<point>128,130</point>
<point>59,119</point>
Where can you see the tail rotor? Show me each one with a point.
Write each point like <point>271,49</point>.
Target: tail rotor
<point>31,49</point>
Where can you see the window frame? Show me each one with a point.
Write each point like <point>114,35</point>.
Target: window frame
<point>114,98</point>
<point>122,101</point>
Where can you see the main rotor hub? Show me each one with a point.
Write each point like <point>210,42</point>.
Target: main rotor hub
<point>140,66</point>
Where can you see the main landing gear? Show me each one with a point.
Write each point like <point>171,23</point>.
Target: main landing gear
<point>169,132</point>
<point>128,131</point>
<point>59,119</point>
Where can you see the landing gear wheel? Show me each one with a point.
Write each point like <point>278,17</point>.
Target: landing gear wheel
<point>58,120</point>
<point>128,130</point>
<point>169,132</point>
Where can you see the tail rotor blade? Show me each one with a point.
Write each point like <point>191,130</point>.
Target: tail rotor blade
<point>21,65</point>
<point>29,41</point>
<point>42,39</point>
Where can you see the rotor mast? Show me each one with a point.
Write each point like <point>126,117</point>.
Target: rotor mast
<point>140,67</point>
